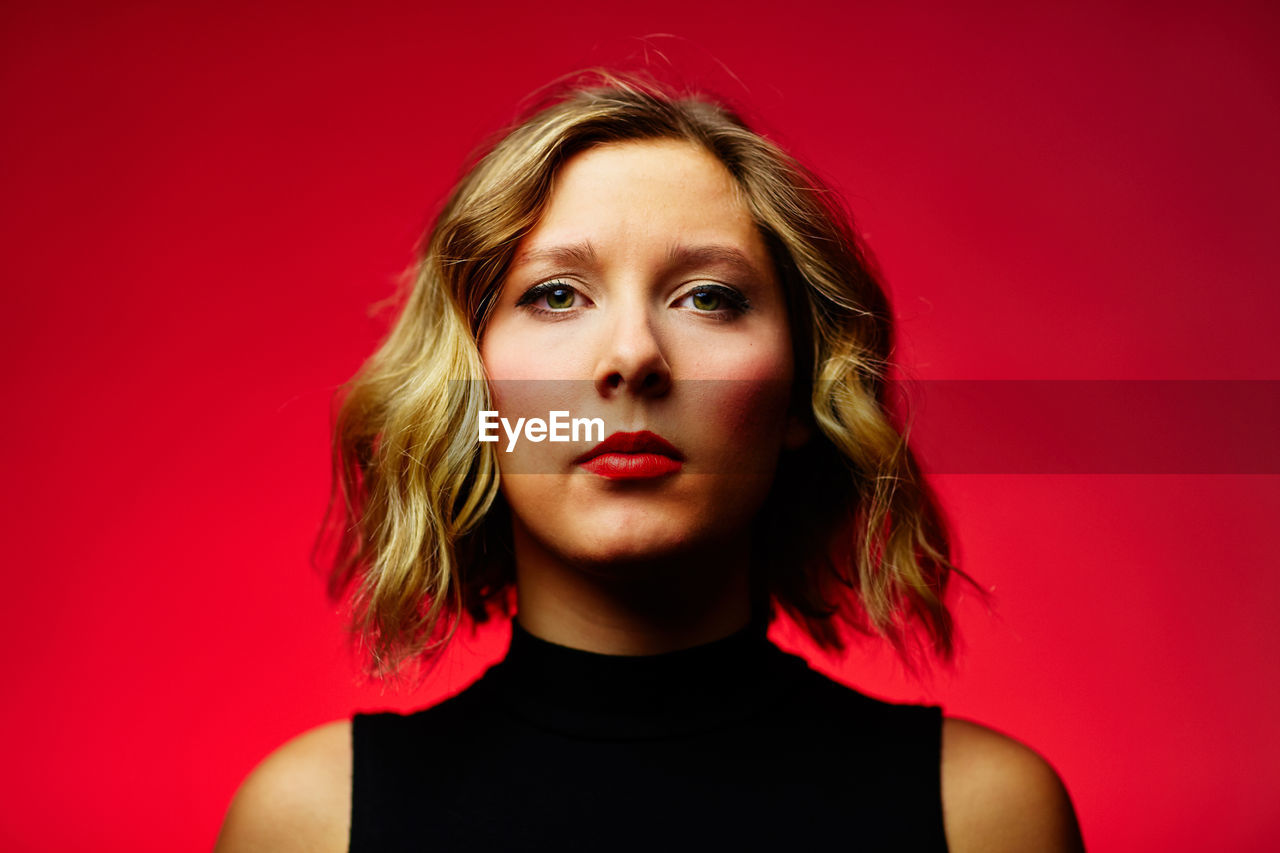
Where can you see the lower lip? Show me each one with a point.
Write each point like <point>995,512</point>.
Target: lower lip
<point>632,466</point>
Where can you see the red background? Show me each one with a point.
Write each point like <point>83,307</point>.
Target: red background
<point>201,201</point>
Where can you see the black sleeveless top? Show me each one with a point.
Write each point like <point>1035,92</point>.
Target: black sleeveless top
<point>732,745</point>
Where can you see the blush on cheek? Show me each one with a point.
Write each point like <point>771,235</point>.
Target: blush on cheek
<point>771,364</point>
<point>746,419</point>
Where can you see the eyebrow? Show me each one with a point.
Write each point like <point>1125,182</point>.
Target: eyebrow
<point>688,257</point>
<point>580,254</point>
<point>679,256</point>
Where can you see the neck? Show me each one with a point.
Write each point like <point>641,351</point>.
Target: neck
<point>633,608</point>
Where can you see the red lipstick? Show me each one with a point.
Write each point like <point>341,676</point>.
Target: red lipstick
<point>632,456</point>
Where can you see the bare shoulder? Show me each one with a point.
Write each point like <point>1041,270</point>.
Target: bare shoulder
<point>1000,795</point>
<point>298,798</point>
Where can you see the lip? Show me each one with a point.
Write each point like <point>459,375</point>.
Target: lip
<point>632,456</point>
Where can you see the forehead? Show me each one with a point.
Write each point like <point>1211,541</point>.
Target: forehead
<point>631,191</point>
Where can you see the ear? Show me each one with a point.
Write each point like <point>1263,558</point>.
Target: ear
<point>797,433</point>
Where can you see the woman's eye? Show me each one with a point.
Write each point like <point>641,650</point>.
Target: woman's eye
<point>560,297</point>
<point>715,300</point>
<point>555,295</point>
<point>705,300</point>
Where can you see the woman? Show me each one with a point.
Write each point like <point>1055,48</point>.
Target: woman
<point>681,427</point>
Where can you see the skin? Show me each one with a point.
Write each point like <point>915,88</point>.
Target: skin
<point>646,335</point>
<point>642,567</point>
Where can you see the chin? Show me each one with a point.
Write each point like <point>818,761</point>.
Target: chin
<point>637,550</point>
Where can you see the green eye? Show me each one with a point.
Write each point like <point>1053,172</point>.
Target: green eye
<point>706,300</point>
<point>560,298</point>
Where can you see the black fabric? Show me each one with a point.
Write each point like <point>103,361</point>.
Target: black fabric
<point>732,745</point>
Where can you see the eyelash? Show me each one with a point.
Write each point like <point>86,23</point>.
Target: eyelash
<point>738,304</point>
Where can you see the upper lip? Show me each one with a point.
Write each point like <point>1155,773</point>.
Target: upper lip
<point>632,442</point>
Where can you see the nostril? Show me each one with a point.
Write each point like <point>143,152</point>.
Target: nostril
<point>647,379</point>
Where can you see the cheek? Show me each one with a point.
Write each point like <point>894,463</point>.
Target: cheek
<point>745,421</point>
<point>536,398</point>
<point>756,382</point>
<point>526,381</point>
<point>758,350</point>
<point>500,352</point>
<point>516,348</point>
<point>742,418</point>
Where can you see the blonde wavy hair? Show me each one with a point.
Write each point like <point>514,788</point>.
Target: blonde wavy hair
<point>850,535</point>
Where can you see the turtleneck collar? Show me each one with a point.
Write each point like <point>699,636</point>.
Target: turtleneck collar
<point>597,696</point>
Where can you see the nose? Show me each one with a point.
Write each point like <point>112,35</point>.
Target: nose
<point>632,359</point>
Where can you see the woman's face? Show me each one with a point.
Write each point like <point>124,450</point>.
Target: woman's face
<point>645,298</point>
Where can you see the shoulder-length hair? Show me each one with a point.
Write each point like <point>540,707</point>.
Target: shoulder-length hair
<point>850,535</point>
